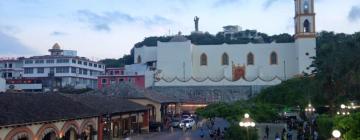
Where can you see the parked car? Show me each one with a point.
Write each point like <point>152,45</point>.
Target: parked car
<point>183,117</point>
<point>175,122</point>
<point>188,123</point>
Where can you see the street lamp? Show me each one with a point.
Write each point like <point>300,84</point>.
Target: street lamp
<point>345,110</point>
<point>247,122</point>
<point>309,110</point>
<point>336,134</point>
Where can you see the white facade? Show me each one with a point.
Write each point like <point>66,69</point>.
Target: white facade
<point>2,85</point>
<point>178,63</point>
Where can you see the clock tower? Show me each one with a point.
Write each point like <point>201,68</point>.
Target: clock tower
<point>305,34</point>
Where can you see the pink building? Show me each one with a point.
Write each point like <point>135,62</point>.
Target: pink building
<point>118,75</point>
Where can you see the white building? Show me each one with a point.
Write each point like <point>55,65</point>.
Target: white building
<point>181,63</point>
<point>2,85</point>
<point>59,69</point>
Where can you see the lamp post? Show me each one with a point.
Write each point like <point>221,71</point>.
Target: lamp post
<point>107,128</point>
<point>345,110</point>
<point>309,111</point>
<point>336,134</point>
<point>247,122</point>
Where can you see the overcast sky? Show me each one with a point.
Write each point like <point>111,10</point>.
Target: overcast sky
<point>109,28</point>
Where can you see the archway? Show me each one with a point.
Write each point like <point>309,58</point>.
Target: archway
<point>88,130</point>
<point>50,136</point>
<point>21,133</point>
<point>70,134</point>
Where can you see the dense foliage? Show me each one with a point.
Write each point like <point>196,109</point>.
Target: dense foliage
<point>235,132</point>
<point>349,126</point>
<point>116,63</point>
<point>210,39</point>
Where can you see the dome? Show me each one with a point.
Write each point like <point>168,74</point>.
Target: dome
<point>56,46</point>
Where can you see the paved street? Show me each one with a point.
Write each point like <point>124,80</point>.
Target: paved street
<point>179,135</point>
<point>274,128</point>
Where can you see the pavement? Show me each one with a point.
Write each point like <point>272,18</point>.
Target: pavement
<point>178,134</point>
<point>274,128</point>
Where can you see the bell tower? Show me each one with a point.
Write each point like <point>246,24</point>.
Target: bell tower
<point>304,19</point>
<point>305,34</point>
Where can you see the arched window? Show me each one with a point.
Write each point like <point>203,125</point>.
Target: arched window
<point>203,59</point>
<point>225,59</point>
<point>273,58</point>
<point>306,6</point>
<point>306,26</point>
<point>250,59</point>
<point>139,59</point>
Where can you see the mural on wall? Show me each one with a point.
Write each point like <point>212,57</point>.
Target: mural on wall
<point>238,72</point>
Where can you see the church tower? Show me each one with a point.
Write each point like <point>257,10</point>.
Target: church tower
<point>305,34</point>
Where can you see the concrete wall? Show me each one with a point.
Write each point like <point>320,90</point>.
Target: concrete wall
<point>146,53</point>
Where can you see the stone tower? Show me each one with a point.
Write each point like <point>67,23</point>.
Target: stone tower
<point>305,34</point>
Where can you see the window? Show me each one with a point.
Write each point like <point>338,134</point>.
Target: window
<point>90,64</point>
<point>104,81</point>
<point>73,70</point>
<point>73,61</point>
<point>85,71</point>
<point>122,72</point>
<point>5,65</point>
<point>85,63</point>
<point>28,61</point>
<point>121,80</point>
<point>10,65</point>
<point>250,59</point>
<point>28,70</point>
<point>52,70</point>
<point>62,70</point>
<point>62,61</point>
<point>273,58</point>
<point>306,6</point>
<point>99,66</point>
<point>39,61</point>
<point>225,59</point>
<point>9,75</point>
<point>95,65</point>
<point>49,61</point>
<point>79,62</point>
<point>80,70</point>
<point>203,59</point>
<point>138,60</point>
<point>91,72</point>
<point>306,26</point>
<point>40,70</point>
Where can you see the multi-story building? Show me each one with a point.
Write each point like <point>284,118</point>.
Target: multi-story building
<point>134,74</point>
<point>59,69</point>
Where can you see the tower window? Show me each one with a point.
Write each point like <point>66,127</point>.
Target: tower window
<point>273,58</point>
<point>250,59</point>
<point>139,59</point>
<point>306,6</point>
<point>225,59</point>
<point>203,59</point>
<point>306,26</point>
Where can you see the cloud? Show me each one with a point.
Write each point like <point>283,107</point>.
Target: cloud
<point>220,3</point>
<point>354,14</point>
<point>11,46</point>
<point>269,3</point>
<point>58,33</point>
<point>102,22</point>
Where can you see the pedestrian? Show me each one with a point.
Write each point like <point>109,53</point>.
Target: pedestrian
<point>283,134</point>
<point>289,135</point>
<point>277,137</point>
<point>315,135</point>
<point>264,138</point>
<point>218,132</point>
<point>267,131</point>
<point>202,133</point>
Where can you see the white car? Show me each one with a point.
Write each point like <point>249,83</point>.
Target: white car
<point>187,123</point>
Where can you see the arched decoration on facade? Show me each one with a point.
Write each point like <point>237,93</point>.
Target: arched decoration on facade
<point>47,129</point>
<point>68,125</point>
<point>273,58</point>
<point>20,133</point>
<point>88,129</point>
<point>306,26</point>
<point>225,59</point>
<point>203,60</point>
<point>138,60</point>
<point>250,59</point>
<point>152,112</point>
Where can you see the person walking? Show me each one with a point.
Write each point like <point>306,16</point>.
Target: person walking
<point>202,133</point>
<point>267,131</point>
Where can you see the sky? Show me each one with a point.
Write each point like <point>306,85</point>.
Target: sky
<point>100,29</point>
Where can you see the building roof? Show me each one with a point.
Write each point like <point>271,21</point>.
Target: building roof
<point>21,108</point>
<point>130,91</point>
<point>106,104</point>
<point>56,46</point>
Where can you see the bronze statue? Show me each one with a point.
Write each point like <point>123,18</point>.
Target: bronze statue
<point>196,20</point>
